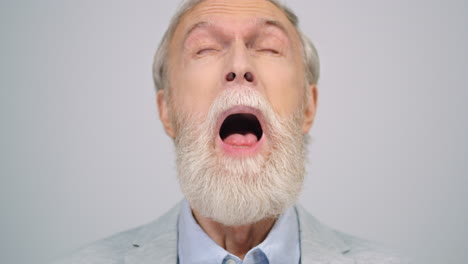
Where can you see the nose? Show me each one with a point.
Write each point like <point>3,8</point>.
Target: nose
<point>248,76</point>
<point>239,65</point>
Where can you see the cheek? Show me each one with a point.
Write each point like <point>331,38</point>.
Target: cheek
<point>284,86</point>
<point>195,85</point>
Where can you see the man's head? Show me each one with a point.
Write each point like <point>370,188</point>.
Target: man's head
<point>237,92</point>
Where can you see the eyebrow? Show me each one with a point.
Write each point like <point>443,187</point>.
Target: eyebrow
<point>202,24</point>
<point>277,24</point>
<point>263,22</point>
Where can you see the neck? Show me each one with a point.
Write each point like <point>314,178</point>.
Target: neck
<point>237,240</point>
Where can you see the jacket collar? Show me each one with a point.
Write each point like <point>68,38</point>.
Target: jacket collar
<point>158,241</point>
<point>320,244</point>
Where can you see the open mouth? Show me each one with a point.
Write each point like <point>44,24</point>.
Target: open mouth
<point>241,132</point>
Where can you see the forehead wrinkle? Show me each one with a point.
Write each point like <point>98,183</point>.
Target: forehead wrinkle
<point>211,9</point>
<point>233,7</point>
<point>257,22</point>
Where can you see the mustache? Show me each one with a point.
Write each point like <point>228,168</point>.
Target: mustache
<point>245,97</point>
<point>227,99</point>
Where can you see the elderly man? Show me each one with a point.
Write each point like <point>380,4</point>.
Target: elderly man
<point>236,91</point>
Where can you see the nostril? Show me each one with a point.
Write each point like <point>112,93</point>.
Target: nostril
<point>230,77</point>
<point>249,76</point>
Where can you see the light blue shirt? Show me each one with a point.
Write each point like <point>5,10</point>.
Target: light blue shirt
<point>279,247</point>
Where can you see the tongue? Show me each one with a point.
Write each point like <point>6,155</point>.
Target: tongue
<point>239,140</point>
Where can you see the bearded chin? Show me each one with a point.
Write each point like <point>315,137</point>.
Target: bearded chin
<point>237,191</point>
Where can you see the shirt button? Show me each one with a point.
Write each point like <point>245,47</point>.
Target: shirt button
<point>230,261</point>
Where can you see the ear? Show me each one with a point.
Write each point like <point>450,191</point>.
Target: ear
<point>164,115</point>
<point>311,108</point>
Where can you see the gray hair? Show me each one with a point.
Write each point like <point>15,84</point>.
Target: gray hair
<point>160,67</point>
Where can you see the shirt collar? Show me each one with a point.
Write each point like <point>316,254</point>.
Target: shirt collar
<point>280,246</point>
<point>282,243</point>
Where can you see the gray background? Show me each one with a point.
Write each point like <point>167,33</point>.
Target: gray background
<point>83,154</point>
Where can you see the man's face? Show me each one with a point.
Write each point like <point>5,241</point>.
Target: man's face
<point>219,37</point>
<point>238,109</point>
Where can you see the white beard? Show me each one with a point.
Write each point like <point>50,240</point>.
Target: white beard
<point>238,191</point>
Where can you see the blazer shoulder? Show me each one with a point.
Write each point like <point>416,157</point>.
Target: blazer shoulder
<point>320,242</point>
<point>114,249</point>
<point>108,250</point>
<point>370,252</point>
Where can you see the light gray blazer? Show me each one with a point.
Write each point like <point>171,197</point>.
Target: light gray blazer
<point>156,242</point>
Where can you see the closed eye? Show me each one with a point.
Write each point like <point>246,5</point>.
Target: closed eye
<point>272,51</point>
<point>206,51</point>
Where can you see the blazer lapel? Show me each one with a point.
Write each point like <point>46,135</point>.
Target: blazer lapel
<point>156,242</point>
<point>163,249</point>
<point>319,244</point>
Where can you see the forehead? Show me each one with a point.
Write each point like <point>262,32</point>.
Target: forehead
<point>233,13</point>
